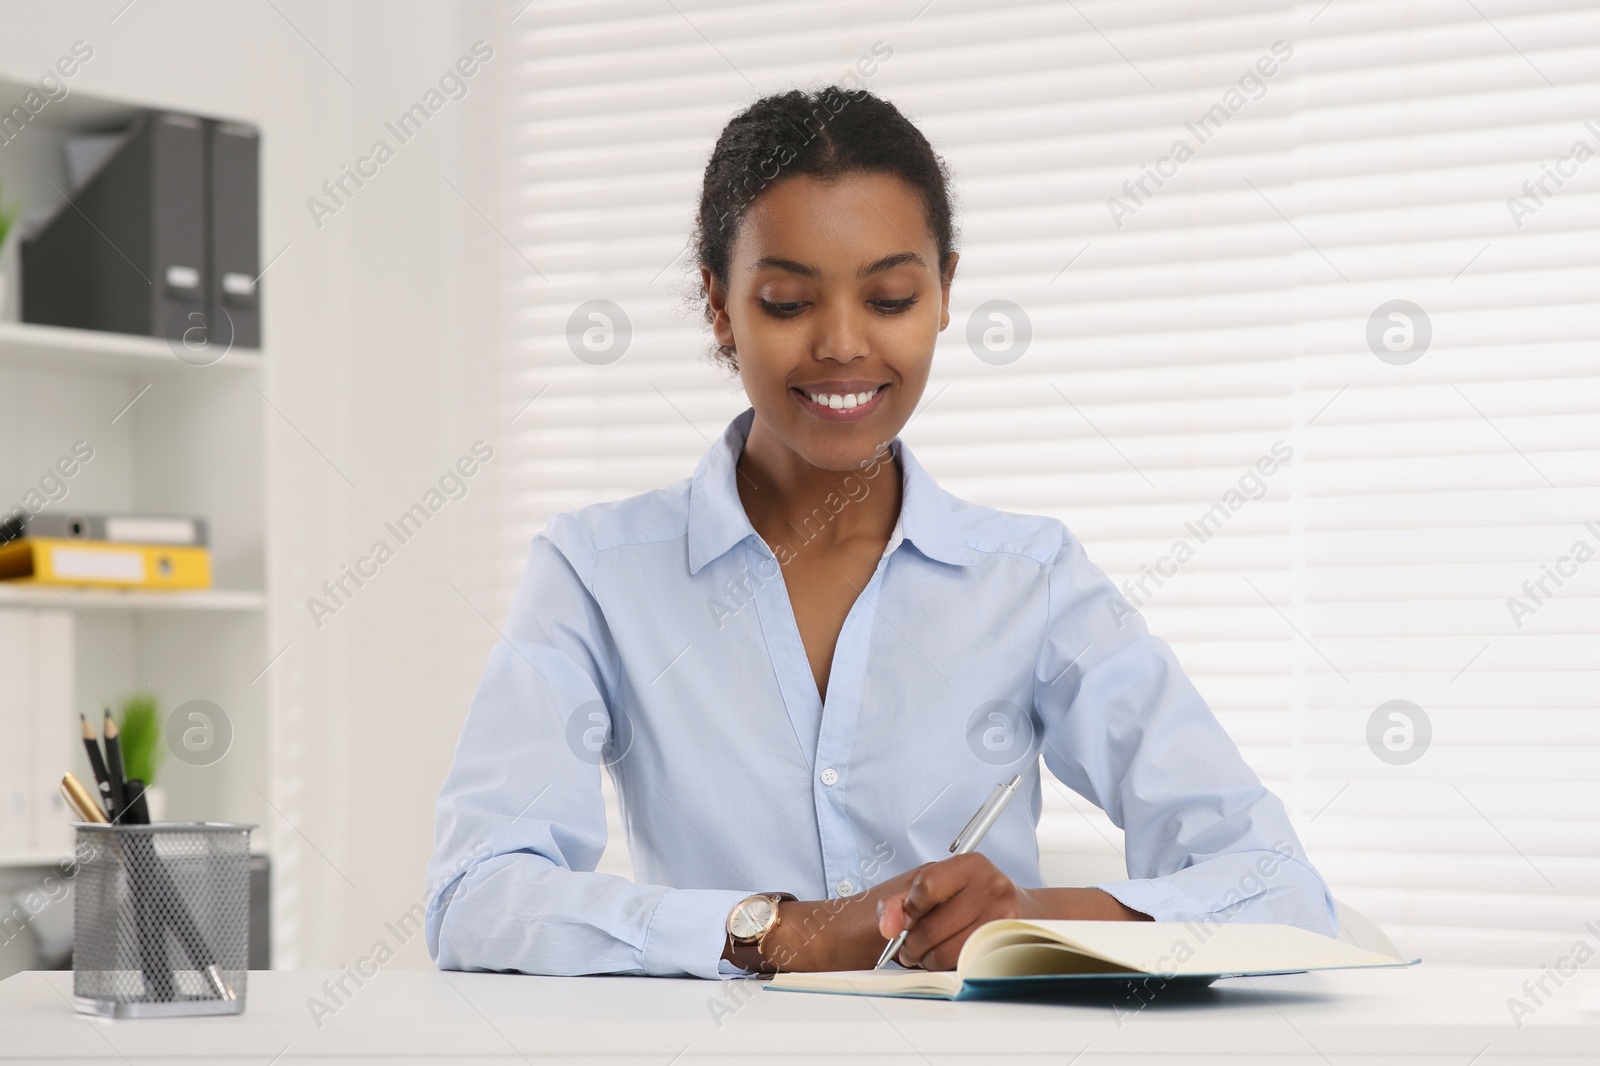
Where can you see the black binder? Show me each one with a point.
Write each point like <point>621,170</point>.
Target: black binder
<point>235,243</point>
<point>160,240</point>
<point>127,253</point>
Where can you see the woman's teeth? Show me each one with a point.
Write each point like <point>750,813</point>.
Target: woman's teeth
<point>841,402</point>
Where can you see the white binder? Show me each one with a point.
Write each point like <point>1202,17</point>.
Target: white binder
<point>36,729</point>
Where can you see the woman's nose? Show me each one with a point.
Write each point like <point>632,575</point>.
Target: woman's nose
<point>843,335</point>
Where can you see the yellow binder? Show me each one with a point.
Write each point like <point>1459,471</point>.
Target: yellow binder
<point>101,564</point>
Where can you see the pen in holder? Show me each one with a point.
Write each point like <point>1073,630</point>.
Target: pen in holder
<point>161,925</point>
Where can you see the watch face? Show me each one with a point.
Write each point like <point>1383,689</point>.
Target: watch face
<point>751,917</point>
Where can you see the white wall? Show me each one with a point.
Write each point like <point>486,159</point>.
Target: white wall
<point>376,340</point>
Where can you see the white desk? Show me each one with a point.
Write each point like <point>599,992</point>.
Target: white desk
<point>1381,1016</point>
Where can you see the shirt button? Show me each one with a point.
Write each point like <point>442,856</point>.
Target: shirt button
<point>830,776</point>
<point>846,887</point>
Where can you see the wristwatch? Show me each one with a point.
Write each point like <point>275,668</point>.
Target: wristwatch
<point>749,924</point>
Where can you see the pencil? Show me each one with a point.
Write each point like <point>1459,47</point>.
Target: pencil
<point>119,797</point>
<point>91,744</point>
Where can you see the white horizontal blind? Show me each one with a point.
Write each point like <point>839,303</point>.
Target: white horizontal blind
<point>1190,329</point>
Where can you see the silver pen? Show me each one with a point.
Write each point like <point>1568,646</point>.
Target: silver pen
<point>967,840</point>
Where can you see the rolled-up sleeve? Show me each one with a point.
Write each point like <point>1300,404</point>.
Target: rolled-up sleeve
<point>1124,727</point>
<point>521,825</point>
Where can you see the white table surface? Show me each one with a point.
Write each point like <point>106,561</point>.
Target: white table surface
<point>1456,1016</point>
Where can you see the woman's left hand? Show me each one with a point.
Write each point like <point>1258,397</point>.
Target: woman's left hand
<point>947,901</point>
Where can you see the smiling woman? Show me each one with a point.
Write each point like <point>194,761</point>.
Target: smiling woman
<point>761,754</point>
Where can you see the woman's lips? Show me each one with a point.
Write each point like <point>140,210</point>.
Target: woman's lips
<point>843,413</point>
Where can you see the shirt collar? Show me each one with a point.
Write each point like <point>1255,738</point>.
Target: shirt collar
<point>717,520</point>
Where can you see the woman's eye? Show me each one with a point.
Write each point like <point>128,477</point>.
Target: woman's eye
<point>786,309</point>
<point>894,307</point>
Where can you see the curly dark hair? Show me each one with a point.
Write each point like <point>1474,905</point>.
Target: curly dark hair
<point>825,134</point>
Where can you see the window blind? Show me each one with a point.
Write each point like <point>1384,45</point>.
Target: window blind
<point>1313,371</point>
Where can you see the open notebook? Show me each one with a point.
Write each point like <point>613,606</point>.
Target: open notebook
<point>1013,957</point>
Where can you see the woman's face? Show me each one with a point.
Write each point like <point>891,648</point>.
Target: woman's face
<point>834,299</point>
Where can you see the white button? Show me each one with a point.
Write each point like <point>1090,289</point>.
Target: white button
<point>846,887</point>
<point>830,776</point>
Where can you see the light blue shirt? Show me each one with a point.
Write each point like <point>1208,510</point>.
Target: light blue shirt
<point>655,636</point>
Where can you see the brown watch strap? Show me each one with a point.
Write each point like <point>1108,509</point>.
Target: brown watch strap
<point>748,957</point>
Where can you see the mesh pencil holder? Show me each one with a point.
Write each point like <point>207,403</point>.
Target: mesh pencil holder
<point>161,919</point>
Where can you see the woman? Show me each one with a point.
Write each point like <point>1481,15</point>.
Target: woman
<point>806,666</point>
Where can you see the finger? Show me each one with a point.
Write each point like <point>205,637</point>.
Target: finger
<point>972,888</point>
<point>946,920</point>
<point>892,917</point>
<point>945,954</point>
<point>942,880</point>
<point>935,884</point>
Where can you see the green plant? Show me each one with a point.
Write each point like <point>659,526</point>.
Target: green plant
<point>139,726</point>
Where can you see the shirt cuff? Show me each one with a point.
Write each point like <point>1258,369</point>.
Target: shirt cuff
<point>1157,898</point>
<point>688,931</point>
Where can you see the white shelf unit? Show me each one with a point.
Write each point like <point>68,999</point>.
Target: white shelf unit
<point>168,437</point>
<point>192,444</point>
<point>56,348</point>
<point>96,600</point>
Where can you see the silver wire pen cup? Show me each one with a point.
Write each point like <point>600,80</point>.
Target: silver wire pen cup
<point>161,919</point>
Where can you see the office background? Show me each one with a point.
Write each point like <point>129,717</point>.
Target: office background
<point>1299,334</point>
